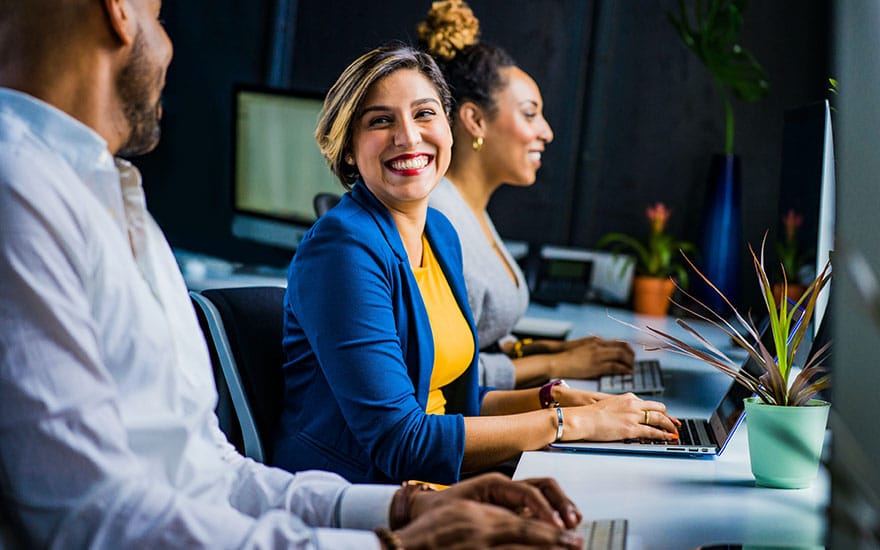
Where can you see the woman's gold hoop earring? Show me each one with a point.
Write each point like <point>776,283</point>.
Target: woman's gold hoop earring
<point>478,143</point>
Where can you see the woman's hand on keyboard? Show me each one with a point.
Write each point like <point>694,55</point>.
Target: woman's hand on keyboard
<point>592,357</point>
<point>620,417</point>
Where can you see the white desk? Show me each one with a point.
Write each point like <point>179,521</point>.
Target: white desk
<point>679,502</point>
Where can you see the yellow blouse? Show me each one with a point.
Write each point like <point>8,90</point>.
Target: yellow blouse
<point>453,339</point>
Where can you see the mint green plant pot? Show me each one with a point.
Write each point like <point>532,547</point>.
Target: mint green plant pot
<point>785,443</point>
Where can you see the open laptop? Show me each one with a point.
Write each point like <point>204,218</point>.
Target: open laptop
<point>698,436</point>
<point>646,378</point>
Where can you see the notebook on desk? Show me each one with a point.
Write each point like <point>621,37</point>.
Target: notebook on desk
<point>646,379</point>
<point>537,327</point>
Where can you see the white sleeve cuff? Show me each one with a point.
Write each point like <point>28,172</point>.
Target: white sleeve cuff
<point>365,506</point>
<point>498,371</point>
<point>346,539</point>
<point>510,338</point>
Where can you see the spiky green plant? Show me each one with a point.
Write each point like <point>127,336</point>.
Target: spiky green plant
<point>773,386</point>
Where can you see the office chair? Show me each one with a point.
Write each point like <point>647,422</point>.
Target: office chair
<point>244,328</point>
<point>324,202</point>
<point>225,409</point>
<point>12,534</point>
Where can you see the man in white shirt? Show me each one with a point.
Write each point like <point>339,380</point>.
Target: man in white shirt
<point>107,431</point>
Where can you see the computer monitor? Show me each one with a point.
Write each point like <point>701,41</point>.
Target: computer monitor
<point>808,184</point>
<point>277,167</point>
<point>827,216</point>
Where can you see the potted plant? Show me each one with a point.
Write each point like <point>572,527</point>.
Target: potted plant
<point>791,257</point>
<point>656,262</point>
<point>786,424</point>
<point>710,29</point>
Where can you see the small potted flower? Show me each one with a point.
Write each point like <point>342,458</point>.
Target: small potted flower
<point>791,258</point>
<point>656,262</point>
<point>785,421</point>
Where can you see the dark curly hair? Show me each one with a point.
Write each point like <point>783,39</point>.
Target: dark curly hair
<point>475,74</point>
<point>472,68</point>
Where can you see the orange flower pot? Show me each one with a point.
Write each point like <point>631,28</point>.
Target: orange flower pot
<point>651,295</point>
<point>795,291</point>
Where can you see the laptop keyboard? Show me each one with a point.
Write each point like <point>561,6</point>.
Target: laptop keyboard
<point>603,534</point>
<point>644,379</point>
<point>688,432</point>
<point>691,432</point>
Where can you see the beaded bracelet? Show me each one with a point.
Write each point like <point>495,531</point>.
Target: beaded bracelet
<point>518,347</point>
<point>388,538</point>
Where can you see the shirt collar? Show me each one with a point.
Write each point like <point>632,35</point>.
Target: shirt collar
<point>80,146</point>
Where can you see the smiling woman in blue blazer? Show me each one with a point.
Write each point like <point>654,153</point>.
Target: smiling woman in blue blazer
<point>380,373</point>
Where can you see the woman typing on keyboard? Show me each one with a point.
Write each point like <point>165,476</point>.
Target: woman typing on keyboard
<point>381,356</point>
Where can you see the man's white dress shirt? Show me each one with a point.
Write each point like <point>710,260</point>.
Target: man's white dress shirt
<point>108,436</point>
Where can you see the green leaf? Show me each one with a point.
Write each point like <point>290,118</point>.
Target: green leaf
<point>773,385</point>
<point>713,39</point>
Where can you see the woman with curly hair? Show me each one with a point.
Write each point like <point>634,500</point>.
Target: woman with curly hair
<point>500,134</point>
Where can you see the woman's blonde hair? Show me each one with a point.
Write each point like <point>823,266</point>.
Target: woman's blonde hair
<point>343,103</point>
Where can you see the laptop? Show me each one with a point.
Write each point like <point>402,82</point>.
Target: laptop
<point>698,436</point>
<point>646,378</point>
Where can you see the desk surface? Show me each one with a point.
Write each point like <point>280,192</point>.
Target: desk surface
<point>679,502</point>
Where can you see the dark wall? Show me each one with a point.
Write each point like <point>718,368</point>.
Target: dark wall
<point>655,119</point>
<point>635,115</point>
<point>187,178</point>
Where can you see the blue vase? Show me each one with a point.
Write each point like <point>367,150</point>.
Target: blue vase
<point>721,237</point>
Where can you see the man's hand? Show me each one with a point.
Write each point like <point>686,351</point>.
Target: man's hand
<point>539,498</point>
<point>467,524</point>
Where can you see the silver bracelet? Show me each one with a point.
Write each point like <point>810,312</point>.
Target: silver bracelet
<point>560,424</point>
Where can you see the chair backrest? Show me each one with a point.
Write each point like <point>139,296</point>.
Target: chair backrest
<point>12,534</point>
<point>225,409</point>
<point>246,325</point>
<point>324,202</point>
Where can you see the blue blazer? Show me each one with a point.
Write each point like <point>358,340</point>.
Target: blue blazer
<point>360,351</point>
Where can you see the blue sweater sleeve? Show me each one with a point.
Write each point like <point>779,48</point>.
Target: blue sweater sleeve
<point>348,292</point>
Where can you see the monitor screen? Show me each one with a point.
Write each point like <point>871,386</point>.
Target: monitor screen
<point>808,187</point>
<point>278,168</point>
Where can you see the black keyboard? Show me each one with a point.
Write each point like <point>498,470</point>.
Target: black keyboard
<point>692,432</point>
<point>687,433</point>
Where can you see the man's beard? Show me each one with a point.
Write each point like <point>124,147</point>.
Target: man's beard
<point>135,85</point>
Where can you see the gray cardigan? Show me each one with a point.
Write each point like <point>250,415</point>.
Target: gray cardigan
<point>496,301</point>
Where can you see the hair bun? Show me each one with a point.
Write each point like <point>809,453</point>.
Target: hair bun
<point>449,28</point>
